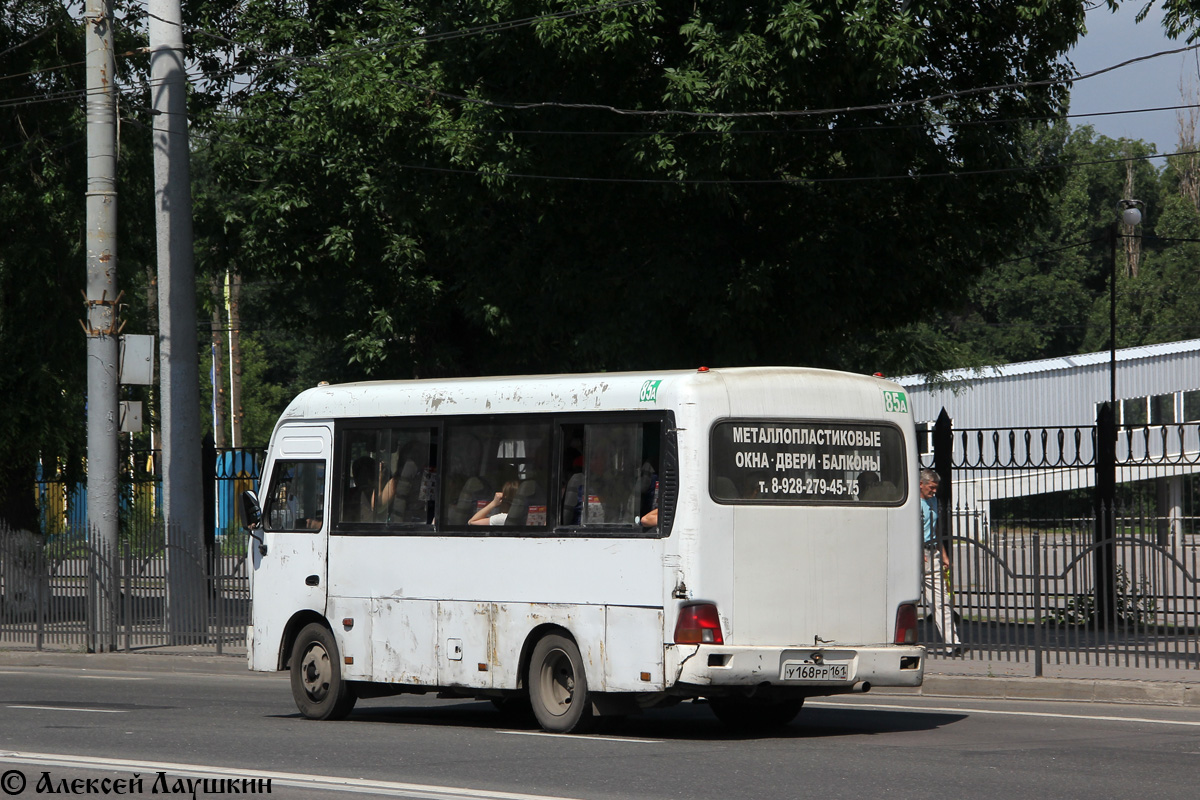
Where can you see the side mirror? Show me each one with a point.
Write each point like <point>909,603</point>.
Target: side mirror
<point>252,518</point>
<point>251,511</point>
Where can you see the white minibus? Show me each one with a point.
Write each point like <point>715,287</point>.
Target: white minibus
<point>587,545</point>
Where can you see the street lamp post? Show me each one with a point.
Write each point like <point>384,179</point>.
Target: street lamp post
<point>1106,442</point>
<point>1131,215</point>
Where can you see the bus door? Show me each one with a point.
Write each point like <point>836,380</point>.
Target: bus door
<point>291,575</point>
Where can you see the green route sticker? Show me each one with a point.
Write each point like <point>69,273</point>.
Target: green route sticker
<point>896,402</point>
<point>649,392</point>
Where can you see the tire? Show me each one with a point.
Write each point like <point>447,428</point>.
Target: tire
<point>558,686</point>
<point>754,713</point>
<point>316,667</point>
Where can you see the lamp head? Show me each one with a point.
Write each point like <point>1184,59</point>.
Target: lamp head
<point>1130,213</point>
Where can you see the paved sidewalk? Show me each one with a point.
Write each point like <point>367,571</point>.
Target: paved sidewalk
<point>1004,678</point>
<point>944,677</point>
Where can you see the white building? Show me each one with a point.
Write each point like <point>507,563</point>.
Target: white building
<point>1036,416</point>
<point>1157,384</point>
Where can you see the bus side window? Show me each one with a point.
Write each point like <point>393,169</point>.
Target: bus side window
<point>610,475</point>
<point>296,498</point>
<point>389,476</point>
<point>413,465</point>
<point>487,459</point>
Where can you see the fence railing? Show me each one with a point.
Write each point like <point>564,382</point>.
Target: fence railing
<point>1075,545</point>
<point>1027,593</point>
<point>150,590</point>
<point>62,505</point>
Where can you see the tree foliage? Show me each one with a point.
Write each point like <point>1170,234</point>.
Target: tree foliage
<point>625,186</point>
<point>1051,296</point>
<point>431,188</point>
<point>42,214</point>
<point>41,211</point>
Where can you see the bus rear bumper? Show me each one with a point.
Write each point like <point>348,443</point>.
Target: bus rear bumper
<point>826,670</point>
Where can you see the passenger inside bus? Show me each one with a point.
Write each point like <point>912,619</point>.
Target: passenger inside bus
<point>411,487</point>
<point>497,510</point>
<point>603,482</point>
<point>367,500</point>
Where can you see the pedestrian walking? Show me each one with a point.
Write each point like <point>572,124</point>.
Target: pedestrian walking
<point>937,598</point>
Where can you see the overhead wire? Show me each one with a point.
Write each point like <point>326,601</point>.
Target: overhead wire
<point>838,130</point>
<point>29,41</point>
<point>775,113</point>
<point>788,181</point>
<point>507,25</point>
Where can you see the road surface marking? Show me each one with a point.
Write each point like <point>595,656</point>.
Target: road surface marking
<point>293,779</point>
<point>995,712</point>
<point>583,736</point>
<point>72,675</point>
<point>88,710</point>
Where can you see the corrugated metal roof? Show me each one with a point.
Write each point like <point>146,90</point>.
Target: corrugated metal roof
<point>1064,362</point>
<point>1054,391</point>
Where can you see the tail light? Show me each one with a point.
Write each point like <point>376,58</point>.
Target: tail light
<point>906,624</point>
<point>698,623</point>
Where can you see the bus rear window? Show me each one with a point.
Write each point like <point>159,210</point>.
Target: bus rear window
<point>819,462</point>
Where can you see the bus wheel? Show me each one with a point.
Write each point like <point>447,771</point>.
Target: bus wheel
<point>558,687</point>
<point>755,713</point>
<point>317,685</point>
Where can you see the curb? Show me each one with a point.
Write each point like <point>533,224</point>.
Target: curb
<point>233,664</point>
<point>1087,690</point>
<point>1079,690</point>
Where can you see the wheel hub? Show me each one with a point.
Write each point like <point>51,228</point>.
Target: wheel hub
<point>558,682</point>
<point>315,672</point>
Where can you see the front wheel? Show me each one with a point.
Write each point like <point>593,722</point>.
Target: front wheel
<point>558,686</point>
<point>317,684</point>
<point>755,713</point>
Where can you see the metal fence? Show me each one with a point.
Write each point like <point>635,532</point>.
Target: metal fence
<point>149,591</point>
<point>62,505</point>
<point>1073,545</point>
<point>60,587</point>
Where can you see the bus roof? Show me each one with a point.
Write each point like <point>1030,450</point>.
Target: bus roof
<point>603,391</point>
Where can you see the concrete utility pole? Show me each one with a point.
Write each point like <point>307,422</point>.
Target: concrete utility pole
<point>178,342</point>
<point>220,435</point>
<point>102,325</point>
<point>237,413</point>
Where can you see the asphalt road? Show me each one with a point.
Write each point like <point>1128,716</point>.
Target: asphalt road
<point>61,727</point>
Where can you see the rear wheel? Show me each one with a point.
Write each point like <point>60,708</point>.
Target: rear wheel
<point>317,684</point>
<point>755,713</point>
<point>558,686</point>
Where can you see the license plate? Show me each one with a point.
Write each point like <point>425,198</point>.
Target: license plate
<point>798,671</point>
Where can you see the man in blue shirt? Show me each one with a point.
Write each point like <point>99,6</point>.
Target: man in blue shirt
<point>936,598</point>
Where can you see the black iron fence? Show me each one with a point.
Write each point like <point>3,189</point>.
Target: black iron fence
<point>150,590</point>
<point>61,587</point>
<point>62,505</point>
<point>1073,545</point>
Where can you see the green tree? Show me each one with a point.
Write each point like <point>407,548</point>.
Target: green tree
<point>1162,302</point>
<point>437,200</point>
<point>41,208</point>
<point>1045,299</point>
<point>42,188</point>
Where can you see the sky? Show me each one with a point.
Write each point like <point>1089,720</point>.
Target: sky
<point>1111,39</point>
